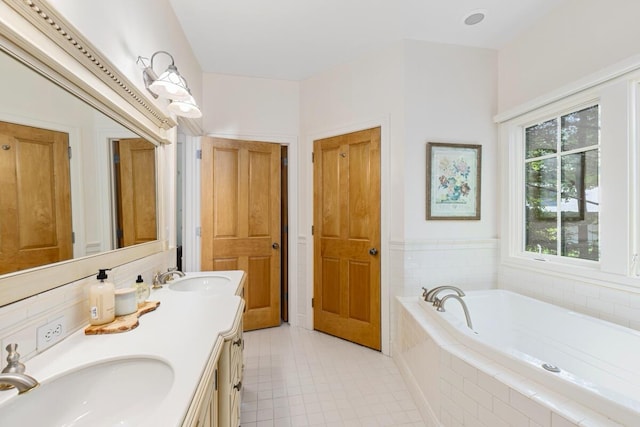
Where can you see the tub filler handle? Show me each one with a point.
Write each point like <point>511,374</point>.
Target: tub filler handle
<point>432,295</point>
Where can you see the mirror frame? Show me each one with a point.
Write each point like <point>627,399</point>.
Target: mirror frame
<point>32,32</point>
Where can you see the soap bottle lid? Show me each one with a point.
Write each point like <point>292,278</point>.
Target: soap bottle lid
<point>102,275</point>
<point>139,279</point>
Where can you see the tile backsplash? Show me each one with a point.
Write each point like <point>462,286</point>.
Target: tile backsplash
<point>19,321</point>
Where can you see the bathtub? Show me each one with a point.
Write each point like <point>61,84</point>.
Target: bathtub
<point>527,357</point>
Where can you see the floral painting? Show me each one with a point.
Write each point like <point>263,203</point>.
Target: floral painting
<point>453,181</point>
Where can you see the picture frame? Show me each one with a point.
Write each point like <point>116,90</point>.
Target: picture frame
<point>453,181</point>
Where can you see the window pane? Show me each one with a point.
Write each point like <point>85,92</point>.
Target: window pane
<point>580,205</point>
<point>541,139</point>
<point>541,206</point>
<point>580,129</point>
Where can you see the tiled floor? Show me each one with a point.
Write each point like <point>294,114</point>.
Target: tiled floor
<point>295,377</point>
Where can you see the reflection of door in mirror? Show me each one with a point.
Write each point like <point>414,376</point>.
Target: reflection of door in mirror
<point>135,184</point>
<point>35,197</point>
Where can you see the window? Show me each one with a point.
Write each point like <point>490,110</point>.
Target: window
<point>561,167</point>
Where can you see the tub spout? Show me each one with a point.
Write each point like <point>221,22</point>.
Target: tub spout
<point>440,307</point>
<point>431,296</point>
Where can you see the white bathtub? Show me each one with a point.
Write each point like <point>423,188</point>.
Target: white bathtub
<point>599,362</point>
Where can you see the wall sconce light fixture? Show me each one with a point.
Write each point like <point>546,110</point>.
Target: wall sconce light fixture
<point>170,85</point>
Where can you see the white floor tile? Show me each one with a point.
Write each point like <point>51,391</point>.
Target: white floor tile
<point>295,378</point>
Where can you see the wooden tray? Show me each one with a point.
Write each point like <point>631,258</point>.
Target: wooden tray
<point>122,323</point>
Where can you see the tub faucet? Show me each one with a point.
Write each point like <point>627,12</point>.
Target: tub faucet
<point>13,374</point>
<point>440,306</point>
<point>160,279</point>
<point>431,296</point>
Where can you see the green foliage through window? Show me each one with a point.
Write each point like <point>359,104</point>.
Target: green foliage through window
<point>562,185</point>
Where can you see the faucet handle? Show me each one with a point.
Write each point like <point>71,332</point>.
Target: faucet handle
<point>13,361</point>
<point>425,291</point>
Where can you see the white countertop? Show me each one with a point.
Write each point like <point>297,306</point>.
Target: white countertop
<point>183,331</point>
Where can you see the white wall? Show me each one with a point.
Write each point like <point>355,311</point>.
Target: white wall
<point>577,39</point>
<point>123,30</point>
<point>418,92</point>
<point>450,97</point>
<point>235,105</point>
<point>582,49</point>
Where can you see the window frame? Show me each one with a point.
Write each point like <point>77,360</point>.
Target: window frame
<point>558,156</point>
<point>515,182</point>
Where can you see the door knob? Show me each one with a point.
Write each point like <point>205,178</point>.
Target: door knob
<point>275,246</point>
<point>373,251</point>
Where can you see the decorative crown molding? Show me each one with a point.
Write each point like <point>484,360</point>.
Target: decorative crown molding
<point>60,31</point>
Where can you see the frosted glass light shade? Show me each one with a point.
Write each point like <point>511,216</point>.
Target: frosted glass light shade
<point>170,85</point>
<point>185,108</point>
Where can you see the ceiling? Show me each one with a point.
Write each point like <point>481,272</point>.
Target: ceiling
<point>296,39</point>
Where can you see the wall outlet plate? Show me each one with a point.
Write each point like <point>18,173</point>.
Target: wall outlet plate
<point>51,333</point>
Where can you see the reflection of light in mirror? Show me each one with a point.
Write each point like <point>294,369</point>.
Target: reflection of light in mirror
<point>29,100</point>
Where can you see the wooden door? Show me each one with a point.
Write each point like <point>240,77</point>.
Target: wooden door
<point>347,237</point>
<point>240,220</point>
<point>35,197</point>
<point>136,189</point>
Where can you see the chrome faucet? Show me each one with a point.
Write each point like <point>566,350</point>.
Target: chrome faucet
<point>431,296</point>
<point>160,279</point>
<point>13,374</point>
<point>440,306</point>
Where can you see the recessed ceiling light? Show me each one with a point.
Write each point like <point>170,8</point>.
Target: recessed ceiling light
<point>474,17</point>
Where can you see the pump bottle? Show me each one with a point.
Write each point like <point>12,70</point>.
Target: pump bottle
<point>101,300</point>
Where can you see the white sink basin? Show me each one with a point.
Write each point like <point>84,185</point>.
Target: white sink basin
<point>119,392</point>
<point>214,284</point>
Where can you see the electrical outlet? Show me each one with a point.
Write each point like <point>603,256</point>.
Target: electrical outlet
<point>50,333</point>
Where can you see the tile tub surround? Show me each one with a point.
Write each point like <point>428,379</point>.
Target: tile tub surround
<point>593,297</point>
<point>457,386</point>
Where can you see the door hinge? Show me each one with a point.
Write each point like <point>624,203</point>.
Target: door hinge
<point>199,154</point>
<point>285,161</point>
<point>73,237</point>
<point>312,302</point>
<point>119,233</point>
<point>215,379</point>
<point>116,158</point>
<point>69,151</point>
<point>313,157</point>
<point>198,231</point>
<point>313,229</point>
<point>285,229</point>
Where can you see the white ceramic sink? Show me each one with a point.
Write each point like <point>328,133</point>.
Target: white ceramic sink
<point>113,393</point>
<point>214,284</point>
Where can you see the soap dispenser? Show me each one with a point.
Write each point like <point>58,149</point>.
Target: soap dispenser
<point>101,300</point>
<point>142,291</point>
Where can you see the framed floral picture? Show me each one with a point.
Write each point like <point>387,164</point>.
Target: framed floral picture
<point>453,181</point>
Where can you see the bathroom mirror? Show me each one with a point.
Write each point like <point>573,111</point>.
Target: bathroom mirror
<point>47,66</point>
<point>75,182</point>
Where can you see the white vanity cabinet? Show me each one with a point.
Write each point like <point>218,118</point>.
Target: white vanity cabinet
<point>230,378</point>
<point>216,402</point>
<point>204,406</point>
